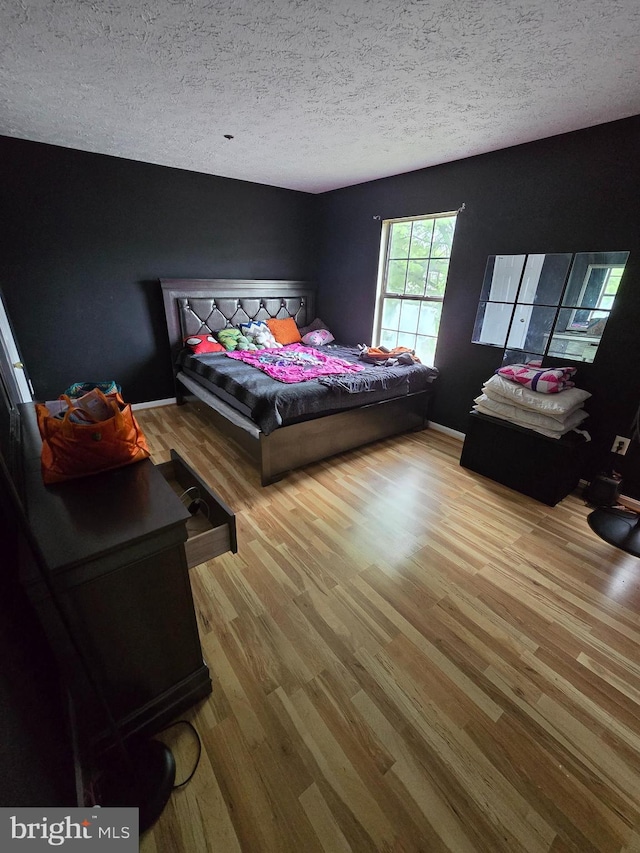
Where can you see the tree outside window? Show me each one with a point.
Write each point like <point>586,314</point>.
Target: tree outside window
<point>416,254</point>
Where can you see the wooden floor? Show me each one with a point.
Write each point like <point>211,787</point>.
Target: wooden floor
<point>405,657</point>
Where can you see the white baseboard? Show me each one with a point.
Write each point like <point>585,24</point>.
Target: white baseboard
<point>446,430</point>
<point>629,503</point>
<point>153,404</point>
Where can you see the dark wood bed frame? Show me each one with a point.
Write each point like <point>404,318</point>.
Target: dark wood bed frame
<point>230,301</point>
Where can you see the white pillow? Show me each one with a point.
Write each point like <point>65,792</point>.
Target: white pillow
<point>554,405</point>
<point>529,417</point>
<point>572,421</point>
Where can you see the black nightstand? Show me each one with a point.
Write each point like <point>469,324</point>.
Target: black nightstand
<point>547,469</point>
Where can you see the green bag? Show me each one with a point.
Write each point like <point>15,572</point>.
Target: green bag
<point>78,389</point>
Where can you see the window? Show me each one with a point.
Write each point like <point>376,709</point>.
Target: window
<point>414,255</point>
<point>602,282</point>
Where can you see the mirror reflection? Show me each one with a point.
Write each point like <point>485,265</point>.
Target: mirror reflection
<point>528,306</point>
<point>544,278</point>
<point>492,323</point>
<point>502,278</point>
<point>518,356</point>
<point>531,327</point>
<point>587,301</point>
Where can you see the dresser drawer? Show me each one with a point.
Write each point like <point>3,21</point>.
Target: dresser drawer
<point>212,529</point>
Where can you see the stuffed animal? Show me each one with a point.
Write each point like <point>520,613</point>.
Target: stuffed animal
<point>245,344</point>
<point>232,339</point>
<point>258,333</point>
<point>229,338</point>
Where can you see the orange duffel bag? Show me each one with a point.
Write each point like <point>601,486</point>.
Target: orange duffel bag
<point>86,436</point>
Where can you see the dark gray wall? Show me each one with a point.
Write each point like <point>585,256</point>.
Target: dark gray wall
<point>571,193</point>
<point>86,237</point>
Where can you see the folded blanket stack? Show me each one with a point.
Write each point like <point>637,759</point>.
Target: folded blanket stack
<point>552,412</point>
<point>546,380</point>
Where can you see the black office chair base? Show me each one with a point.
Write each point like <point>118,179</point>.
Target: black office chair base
<point>619,527</point>
<point>145,780</point>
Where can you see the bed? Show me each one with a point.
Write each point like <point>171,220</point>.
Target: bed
<point>298,424</point>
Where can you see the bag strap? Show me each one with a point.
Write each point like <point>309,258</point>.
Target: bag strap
<point>68,425</point>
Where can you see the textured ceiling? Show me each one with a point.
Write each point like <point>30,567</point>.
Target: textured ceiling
<point>316,95</point>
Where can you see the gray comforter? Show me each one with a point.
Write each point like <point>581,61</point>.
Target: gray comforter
<point>271,404</point>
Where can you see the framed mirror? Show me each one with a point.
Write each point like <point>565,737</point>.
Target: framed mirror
<point>499,291</point>
<point>519,299</point>
<point>531,306</point>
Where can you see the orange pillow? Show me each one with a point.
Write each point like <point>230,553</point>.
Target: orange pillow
<point>285,331</point>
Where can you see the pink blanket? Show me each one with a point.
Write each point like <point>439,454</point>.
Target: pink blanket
<point>548,380</point>
<point>295,363</point>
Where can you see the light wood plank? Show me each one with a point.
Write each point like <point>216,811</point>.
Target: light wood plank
<point>405,657</point>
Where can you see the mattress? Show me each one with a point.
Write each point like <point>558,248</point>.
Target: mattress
<point>271,404</point>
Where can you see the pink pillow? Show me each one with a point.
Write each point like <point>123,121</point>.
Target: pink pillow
<point>318,338</point>
<point>313,327</point>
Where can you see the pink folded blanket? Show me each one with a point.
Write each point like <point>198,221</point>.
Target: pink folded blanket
<point>295,363</point>
<point>547,380</point>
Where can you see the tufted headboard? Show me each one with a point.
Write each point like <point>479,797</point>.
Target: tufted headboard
<point>192,306</point>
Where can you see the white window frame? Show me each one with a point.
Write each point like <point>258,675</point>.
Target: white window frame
<point>385,246</point>
<point>597,308</point>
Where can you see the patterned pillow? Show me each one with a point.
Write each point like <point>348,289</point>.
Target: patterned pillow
<point>249,330</point>
<point>203,343</point>
<point>259,334</point>
<point>318,338</point>
<point>313,327</point>
<point>285,331</point>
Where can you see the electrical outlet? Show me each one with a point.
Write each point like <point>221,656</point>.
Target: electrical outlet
<point>620,445</point>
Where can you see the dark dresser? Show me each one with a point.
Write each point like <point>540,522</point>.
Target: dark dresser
<point>114,547</point>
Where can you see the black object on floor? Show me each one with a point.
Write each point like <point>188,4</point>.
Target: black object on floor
<point>144,780</point>
<point>546,469</point>
<point>619,527</point>
<point>603,490</point>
